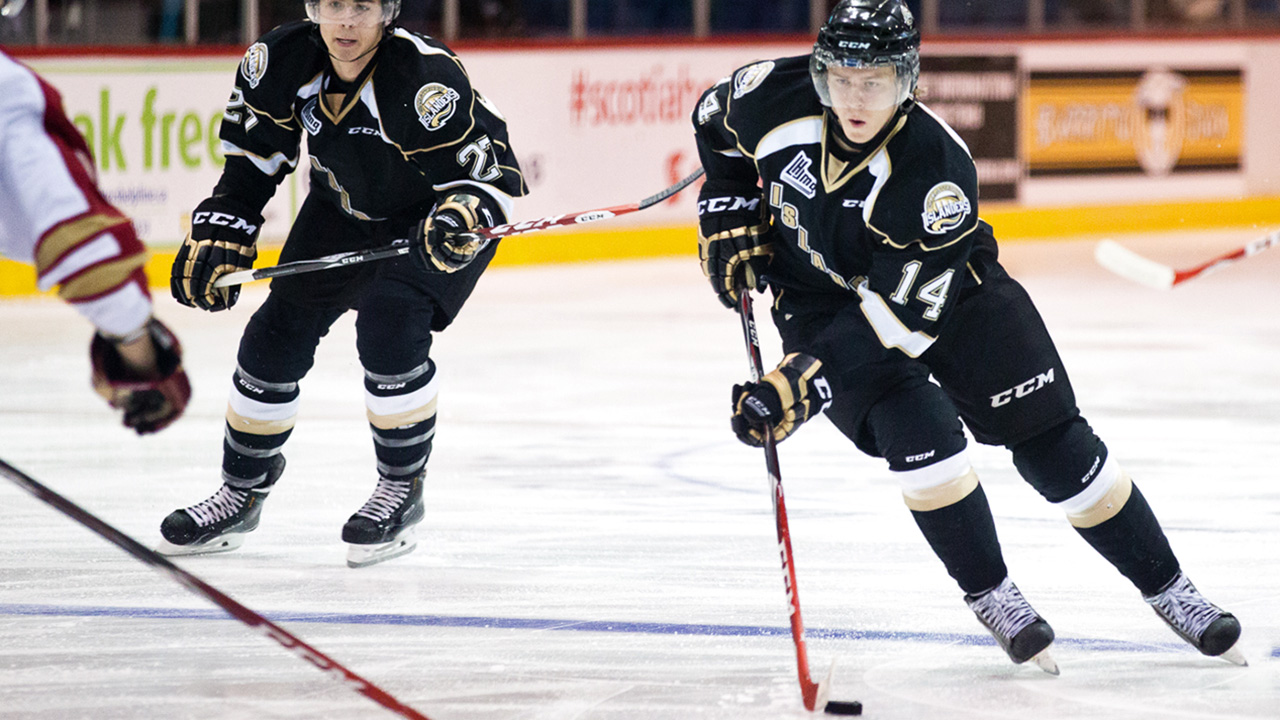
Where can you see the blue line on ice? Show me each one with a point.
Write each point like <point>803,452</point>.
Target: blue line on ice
<point>499,623</point>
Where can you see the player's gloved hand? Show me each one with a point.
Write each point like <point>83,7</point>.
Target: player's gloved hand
<point>446,238</point>
<point>782,400</point>
<point>734,238</point>
<point>223,232</point>
<point>142,375</point>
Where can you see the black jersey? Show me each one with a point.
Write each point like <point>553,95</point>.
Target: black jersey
<point>408,132</point>
<point>893,223</point>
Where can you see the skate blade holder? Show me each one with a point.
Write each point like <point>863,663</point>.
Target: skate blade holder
<point>359,556</point>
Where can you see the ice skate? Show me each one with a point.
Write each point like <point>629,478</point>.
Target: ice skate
<point>219,523</point>
<point>384,528</point>
<point>1022,633</point>
<point>1207,627</point>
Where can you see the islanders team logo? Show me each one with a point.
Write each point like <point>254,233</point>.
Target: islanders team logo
<point>435,104</point>
<point>254,64</point>
<point>750,77</point>
<point>945,207</point>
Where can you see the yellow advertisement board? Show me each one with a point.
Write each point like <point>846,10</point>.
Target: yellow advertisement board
<point>1152,123</point>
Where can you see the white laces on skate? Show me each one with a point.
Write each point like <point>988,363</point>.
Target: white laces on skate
<point>224,503</point>
<point>1004,609</point>
<point>387,498</point>
<point>1185,607</point>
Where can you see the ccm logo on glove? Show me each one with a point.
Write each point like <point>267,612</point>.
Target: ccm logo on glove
<point>230,221</point>
<point>727,204</point>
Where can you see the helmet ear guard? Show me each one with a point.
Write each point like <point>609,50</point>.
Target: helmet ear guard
<point>868,34</point>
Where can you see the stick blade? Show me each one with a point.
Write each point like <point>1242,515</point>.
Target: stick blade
<point>824,688</point>
<point>833,707</point>
<point>1129,265</point>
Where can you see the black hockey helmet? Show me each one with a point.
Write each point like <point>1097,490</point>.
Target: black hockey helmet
<point>868,34</point>
<point>10,8</point>
<point>318,9</point>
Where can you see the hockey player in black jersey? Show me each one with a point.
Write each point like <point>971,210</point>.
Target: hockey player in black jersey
<point>858,207</point>
<point>399,146</point>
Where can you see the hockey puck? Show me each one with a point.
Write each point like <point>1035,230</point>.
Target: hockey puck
<point>836,707</point>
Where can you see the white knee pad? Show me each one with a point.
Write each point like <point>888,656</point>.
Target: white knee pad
<point>939,485</point>
<point>1101,499</point>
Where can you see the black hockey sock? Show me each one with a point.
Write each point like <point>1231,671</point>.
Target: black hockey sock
<point>402,452</point>
<point>247,458</point>
<point>1133,542</point>
<point>963,536</point>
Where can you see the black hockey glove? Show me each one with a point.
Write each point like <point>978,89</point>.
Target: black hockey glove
<point>734,238</point>
<point>223,232</point>
<point>782,400</point>
<point>141,375</point>
<point>446,238</point>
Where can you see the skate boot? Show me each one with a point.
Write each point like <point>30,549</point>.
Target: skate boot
<point>1022,633</point>
<point>220,523</point>
<point>383,528</point>
<point>1207,627</point>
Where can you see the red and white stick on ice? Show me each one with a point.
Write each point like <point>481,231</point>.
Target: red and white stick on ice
<point>403,247</point>
<point>330,667</point>
<point>1129,264</point>
<point>814,694</point>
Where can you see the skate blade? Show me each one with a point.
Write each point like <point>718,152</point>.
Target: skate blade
<point>359,556</point>
<point>225,543</point>
<point>1045,662</point>
<point>1234,656</point>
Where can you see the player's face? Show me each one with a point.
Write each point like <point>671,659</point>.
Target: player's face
<point>863,99</point>
<point>351,30</point>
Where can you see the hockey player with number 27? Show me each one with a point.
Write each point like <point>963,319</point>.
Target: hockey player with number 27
<point>54,216</point>
<point>399,145</point>
<point>829,183</point>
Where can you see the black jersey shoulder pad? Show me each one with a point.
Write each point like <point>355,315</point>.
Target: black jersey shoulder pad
<point>423,92</point>
<point>931,195</point>
<point>281,61</point>
<point>766,95</point>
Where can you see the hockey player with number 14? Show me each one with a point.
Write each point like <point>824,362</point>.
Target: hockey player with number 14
<point>831,185</point>
<point>400,146</point>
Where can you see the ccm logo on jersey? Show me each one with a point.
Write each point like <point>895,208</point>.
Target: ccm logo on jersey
<point>435,104</point>
<point>727,204</point>
<point>1023,389</point>
<point>217,218</point>
<point>945,207</point>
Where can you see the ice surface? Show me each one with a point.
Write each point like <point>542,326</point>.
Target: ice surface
<point>598,546</point>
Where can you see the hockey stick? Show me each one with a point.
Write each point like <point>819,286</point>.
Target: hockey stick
<point>289,641</point>
<point>403,246</point>
<point>1128,264</point>
<point>814,694</point>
